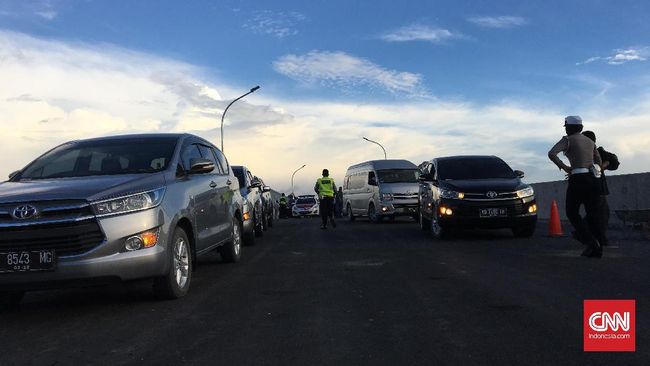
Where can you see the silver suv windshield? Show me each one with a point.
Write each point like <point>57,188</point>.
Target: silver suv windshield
<point>398,175</point>
<point>103,157</point>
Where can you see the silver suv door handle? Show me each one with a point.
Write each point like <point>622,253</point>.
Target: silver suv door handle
<point>213,185</point>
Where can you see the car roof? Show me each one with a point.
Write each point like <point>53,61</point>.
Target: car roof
<point>143,136</point>
<point>138,136</point>
<point>465,157</point>
<point>386,164</point>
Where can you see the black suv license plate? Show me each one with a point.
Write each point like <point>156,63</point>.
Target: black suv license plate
<point>27,261</point>
<point>493,212</point>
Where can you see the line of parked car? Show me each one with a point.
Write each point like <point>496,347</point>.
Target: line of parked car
<point>442,194</point>
<point>124,208</point>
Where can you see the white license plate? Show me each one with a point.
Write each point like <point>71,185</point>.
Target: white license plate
<point>493,212</point>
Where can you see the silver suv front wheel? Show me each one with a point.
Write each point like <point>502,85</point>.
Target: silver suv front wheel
<point>177,281</point>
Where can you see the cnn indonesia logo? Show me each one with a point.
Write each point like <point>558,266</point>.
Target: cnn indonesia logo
<point>609,325</point>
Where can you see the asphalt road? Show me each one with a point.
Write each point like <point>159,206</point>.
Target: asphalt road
<point>363,293</point>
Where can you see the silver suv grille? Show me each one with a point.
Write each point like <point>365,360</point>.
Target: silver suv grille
<point>69,227</point>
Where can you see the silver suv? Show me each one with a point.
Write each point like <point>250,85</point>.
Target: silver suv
<point>117,209</point>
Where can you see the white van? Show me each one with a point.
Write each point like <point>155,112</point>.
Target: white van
<point>381,188</point>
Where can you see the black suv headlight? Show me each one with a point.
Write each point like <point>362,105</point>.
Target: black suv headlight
<point>449,194</point>
<point>130,203</point>
<point>526,192</point>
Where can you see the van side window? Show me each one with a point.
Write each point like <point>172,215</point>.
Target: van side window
<point>358,180</point>
<point>372,178</point>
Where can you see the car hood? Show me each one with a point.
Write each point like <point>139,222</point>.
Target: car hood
<point>403,188</point>
<point>483,185</point>
<point>81,188</point>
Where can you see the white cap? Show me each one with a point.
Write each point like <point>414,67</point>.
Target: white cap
<point>573,120</point>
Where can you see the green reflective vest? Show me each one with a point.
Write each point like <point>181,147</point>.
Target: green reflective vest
<point>325,187</point>
<point>283,200</point>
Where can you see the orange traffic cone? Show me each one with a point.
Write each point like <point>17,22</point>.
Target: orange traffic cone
<point>554,226</point>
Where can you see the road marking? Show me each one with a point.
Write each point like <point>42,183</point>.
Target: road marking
<point>365,263</point>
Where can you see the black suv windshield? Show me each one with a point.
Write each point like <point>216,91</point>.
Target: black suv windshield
<point>398,175</point>
<point>474,168</point>
<point>103,157</point>
<point>239,173</point>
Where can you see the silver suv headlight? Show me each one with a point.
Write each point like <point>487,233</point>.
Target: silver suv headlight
<point>526,192</point>
<point>130,203</point>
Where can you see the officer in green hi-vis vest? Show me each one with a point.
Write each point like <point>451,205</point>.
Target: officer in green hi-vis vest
<point>325,188</point>
<point>284,208</point>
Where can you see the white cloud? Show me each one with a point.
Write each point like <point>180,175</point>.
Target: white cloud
<point>47,14</point>
<point>276,24</point>
<point>55,91</point>
<point>621,56</point>
<point>44,9</point>
<point>345,70</point>
<point>419,32</point>
<point>502,21</point>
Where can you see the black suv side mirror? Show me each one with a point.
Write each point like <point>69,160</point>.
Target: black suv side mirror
<point>519,173</point>
<point>201,166</point>
<point>425,178</point>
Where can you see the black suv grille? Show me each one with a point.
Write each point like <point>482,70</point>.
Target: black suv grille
<point>68,227</point>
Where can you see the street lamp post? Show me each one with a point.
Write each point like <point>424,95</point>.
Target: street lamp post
<point>375,142</point>
<point>292,175</point>
<point>225,110</point>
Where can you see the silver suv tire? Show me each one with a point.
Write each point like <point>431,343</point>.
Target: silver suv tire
<point>176,283</point>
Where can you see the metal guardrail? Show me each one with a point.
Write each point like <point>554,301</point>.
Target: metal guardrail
<point>635,217</point>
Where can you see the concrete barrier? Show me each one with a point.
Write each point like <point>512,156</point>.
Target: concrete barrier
<point>626,192</point>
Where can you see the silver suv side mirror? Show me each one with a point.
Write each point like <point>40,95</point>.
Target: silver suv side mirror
<point>201,166</point>
<point>13,174</point>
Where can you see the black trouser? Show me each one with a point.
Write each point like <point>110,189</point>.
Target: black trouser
<point>327,209</point>
<point>338,208</point>
<point>582,191</point>
<point>603,214</point>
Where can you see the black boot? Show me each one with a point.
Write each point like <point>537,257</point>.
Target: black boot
<point>597,251</point>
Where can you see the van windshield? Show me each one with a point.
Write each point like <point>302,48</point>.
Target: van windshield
<point>474,168</point>
<point>398,175</point>
<point>103,157</point>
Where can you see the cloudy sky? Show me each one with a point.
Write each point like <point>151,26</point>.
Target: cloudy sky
<point>425,78</point>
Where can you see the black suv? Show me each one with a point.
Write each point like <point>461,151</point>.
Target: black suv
<point>475,192</point>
